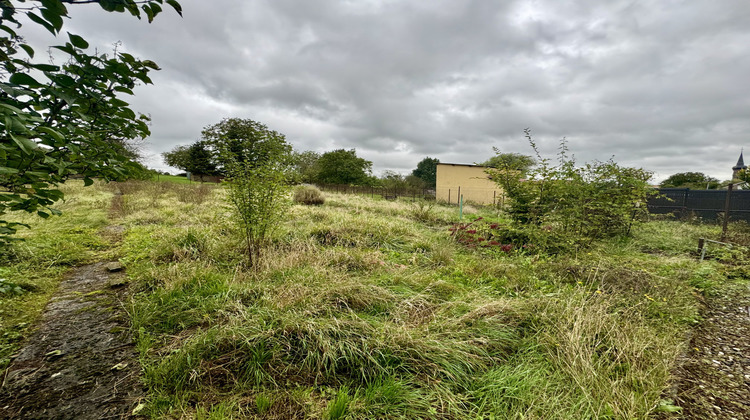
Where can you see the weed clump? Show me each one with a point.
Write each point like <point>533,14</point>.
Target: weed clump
<point>309,195</point>
<point>422,210</point>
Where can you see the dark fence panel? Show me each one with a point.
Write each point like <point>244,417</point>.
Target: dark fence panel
<point>384,192</point>
<point>705,204</point>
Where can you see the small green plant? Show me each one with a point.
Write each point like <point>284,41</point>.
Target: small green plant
<point>262,403</point>
<point>8,288</point>
<point>309,195</point>
<point>339,406</point>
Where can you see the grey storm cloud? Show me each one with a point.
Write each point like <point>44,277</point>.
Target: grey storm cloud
<point>660,85</point>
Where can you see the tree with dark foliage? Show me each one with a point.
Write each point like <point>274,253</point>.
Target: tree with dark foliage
<point>427,171</point>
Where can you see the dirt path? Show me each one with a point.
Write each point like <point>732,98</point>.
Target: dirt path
<point>713,381</point>
<point>80,363</point>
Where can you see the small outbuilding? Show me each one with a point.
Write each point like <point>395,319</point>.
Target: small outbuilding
<point>470,181</point>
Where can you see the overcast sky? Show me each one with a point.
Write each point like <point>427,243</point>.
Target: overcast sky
<point>663,85</point>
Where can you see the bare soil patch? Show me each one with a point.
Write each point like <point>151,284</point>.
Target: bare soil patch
<point>713,381</point>
<point>80,363</point>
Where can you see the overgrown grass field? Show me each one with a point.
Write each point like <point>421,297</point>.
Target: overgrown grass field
<point>365,308</point>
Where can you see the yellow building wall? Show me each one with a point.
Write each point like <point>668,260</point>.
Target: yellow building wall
<point>475,185</point>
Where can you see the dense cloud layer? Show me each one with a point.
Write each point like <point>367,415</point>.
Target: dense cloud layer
<point>661,85</point>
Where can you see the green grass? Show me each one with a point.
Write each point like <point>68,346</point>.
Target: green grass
<point>365,308</point>
<point>172,178</point>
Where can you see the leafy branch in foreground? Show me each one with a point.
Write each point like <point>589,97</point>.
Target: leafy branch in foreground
<point>63,120</point>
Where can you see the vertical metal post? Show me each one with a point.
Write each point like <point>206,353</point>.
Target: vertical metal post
<point>449,195</point>
<point>460,197</point>
<point>726,213</point>
<point>494,198</point>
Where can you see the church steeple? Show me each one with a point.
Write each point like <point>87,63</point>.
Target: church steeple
<point>739,166</point>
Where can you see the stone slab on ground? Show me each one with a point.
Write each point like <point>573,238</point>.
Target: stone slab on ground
<point>80,362</point>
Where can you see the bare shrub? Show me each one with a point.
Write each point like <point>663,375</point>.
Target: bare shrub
<point>309,195</point>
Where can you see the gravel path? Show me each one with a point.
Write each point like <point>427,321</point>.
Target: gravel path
<point>713,381</point>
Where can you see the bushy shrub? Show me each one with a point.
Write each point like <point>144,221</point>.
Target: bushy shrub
<point>309,195</point>
<point>596,200</point>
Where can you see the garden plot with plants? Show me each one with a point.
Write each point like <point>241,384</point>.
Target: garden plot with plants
<point>367,308</point>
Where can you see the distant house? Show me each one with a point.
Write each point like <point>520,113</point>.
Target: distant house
<point>470,181</point>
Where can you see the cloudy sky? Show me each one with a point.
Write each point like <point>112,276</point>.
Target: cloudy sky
<point>663,85</point>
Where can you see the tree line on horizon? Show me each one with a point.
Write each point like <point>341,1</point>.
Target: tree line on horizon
<point>340,166</point>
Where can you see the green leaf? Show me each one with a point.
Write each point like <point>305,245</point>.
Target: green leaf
<point>56,5</point>
<point>23,79</point>
<point>28,49</point>
<point>108,5</point>
<point>78,41</point>
<point>10,107</point>
<point>123,90</point>
<point>150,64</point>
<point>67,48</point>
<point>176,6</point>
<point>41,21</point>
<point>63,80</point>
<point>55,134</point>
<point>24,143</point>
<point>53,17</point>
<point>45,67</point>
<point>117,102</point>
<point>8,30</point>
<point>42,214</point>
<point>149,13</point>
<point>7,171</point>
<point>87,181</point>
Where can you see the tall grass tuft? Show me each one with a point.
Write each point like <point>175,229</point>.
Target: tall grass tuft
<point>188,193</point>
<point>339,406</point>
<point>309,195</point>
